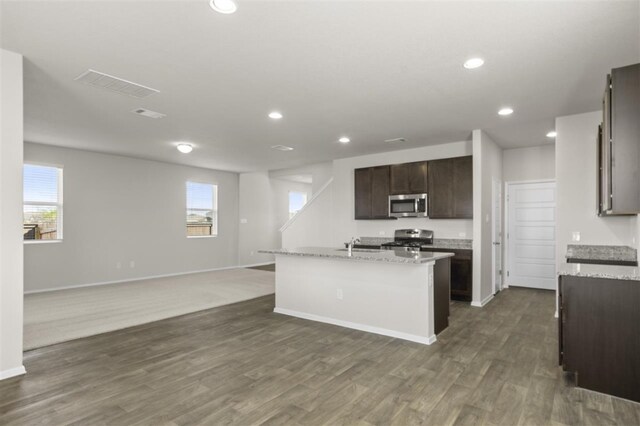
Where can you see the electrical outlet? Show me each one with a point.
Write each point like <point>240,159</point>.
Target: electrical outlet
<point>132,264</point>
<point>251,253</point>
<point>243,221</point>
<point>462,234</point>
<point>381,233</point>
<point>119,265</point>
<point>575,236</point>
<point>339,294</point>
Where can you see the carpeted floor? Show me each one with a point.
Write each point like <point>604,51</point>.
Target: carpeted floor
<point>63,315</point>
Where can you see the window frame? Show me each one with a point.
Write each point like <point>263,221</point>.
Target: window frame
<point>59,204</point>
<point>214,222</point>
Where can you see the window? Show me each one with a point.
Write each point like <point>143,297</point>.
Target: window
<point>202,209</point>
<point>297,200</point>
<point>42,207</point>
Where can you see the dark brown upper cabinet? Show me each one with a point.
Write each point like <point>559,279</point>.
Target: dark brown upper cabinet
<point>409,178</point>
<point>450,188</point>
<point>619,144</point>
<point>372,193</point>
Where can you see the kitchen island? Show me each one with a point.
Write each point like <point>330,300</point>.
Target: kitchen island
<point>394,293</point>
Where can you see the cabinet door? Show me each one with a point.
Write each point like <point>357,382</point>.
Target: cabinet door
<point>599,334</point>
<point>399,179</point>
<point>362,184</point>
<point>380,192</point>
<point>462,187</point>
<point>417,176</point>
<point>625,137</point>
<point>461,279</point>
<point>440,193</point>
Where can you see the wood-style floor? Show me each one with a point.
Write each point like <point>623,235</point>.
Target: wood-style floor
<point>243,364</point>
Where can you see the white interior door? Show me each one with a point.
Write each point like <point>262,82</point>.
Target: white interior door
<point>497,235</point>
<point>531,235</point>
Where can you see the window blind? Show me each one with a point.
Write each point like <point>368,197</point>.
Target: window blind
<point>201,209</point>
<point>42,208</point>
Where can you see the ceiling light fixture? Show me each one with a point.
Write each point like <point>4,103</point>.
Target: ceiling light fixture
<point>552,134</point>
<point>473,63</point>
<point>185,148</point>
<point>282,148</point>
<point>344,139</point>
<point>223,6</point>
<point>275,115</point>
<point>506,111</point>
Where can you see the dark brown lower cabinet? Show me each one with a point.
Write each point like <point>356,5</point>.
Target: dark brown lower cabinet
<point>461,273</point>
<point>599,334</point>
<point>441,294</point>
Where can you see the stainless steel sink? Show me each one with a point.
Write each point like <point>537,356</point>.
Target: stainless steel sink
<point>356,250</point>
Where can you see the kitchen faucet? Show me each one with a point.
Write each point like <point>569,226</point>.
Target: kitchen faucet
<point>351,243</point>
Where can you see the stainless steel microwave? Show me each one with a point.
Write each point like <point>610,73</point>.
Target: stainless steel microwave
<point>410,205</point>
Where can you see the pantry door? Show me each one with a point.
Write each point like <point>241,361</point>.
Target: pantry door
<point>531,235</point>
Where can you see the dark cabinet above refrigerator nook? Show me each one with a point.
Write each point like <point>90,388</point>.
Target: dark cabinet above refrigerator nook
<point>447,182</point>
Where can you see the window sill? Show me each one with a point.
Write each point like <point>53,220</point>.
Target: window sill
<point>29,242</point>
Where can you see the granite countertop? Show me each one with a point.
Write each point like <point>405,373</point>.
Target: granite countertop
<point>594,253</point>
<point>615,272</point>
<point>451,243</point>
<point>366,255</point>
<point>438,243</point>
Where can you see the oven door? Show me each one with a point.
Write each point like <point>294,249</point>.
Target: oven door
<point>408,205</point>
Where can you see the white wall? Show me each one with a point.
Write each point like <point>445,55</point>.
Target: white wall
<point>121,209</point>
<point>264,208</point>
<point>576,149</point>
<point>531,163</point>
<point>280,196</point>
<point>310,227</point>
<point>11,255</point>
<point>257,224</point>
<point>342,224</point>
<point>320,174</point>
<point>487,167</point>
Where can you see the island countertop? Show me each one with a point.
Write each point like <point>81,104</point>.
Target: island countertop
<point>364,255</point>
<point>600,271</point>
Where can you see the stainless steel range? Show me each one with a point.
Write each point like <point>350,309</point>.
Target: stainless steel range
<point>409,240</point>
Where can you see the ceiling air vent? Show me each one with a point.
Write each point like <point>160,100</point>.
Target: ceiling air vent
<point>149,113</point>
<point>115,84</point>
<point>282,148</point>
<point>395,140</point>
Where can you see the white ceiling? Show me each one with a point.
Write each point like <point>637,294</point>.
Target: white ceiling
<point>370,70</point>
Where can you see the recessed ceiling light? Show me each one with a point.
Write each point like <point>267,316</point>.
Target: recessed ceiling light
<point>473,63</point>
<point>223,6</point>
<point>275,115</point>
<point>344,139</point>
<point>395,140</point>
<point>506,111</point>
<point>282,148</point>
<point>552,134</point>
<point>185,148</point>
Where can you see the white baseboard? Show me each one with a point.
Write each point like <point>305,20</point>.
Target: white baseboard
<point>483,302</point>
<point>13,372</point>
<point>356,326</point>
<point>151,277</point>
